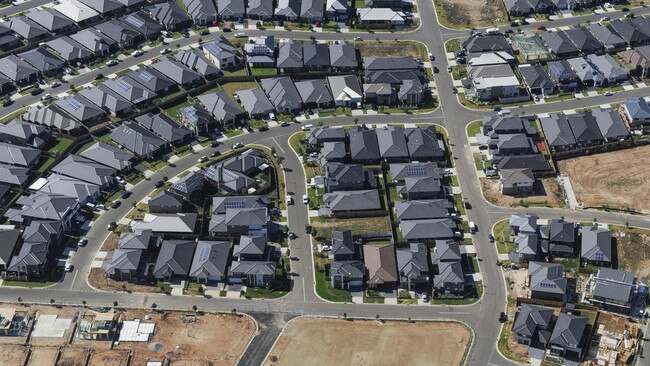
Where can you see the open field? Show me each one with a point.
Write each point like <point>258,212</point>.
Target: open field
<point>342,342</point>
<point>73,357</point>
<point>550,194</point>
<point>359,225</point>
<point>43,356</point>
<point>614,179</point>
<point>391,48</point>
<point>13,355</point>
<point>633,246</point>
<point>470,13</point>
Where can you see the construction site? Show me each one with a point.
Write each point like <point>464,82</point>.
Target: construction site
<point>615,341</point>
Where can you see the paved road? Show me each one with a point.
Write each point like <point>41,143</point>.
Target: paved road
<point>13,9</point>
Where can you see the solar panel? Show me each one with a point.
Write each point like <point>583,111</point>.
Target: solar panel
<point>138,23</point>
<point>146,76</point>
<point>213,48</point>
<point>233,204</point>
<point>416,171</point>
<point>74,105</point>
<point>205,253</point>
<point>123,85</point>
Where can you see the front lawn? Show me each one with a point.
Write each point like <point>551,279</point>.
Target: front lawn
<point>453,45</point>
<point>294,142</point>
<point>326,291</point>
<point>232,132</point>
<point>474,128</point>
<point>262,293</point>
<point>264,71</point>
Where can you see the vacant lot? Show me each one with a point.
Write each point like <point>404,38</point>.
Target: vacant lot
<point>210,340</point>
<point>12,355</point>
<point>391,48</point>
<point>341,342</point>
<point>614,179</point>
<point>549,194</point>
<point>359,225</point>
<point>97,279</point>
<point>73,357</point>
<point>633,247</point>
<point>471,13</point>
<point>43,356</point>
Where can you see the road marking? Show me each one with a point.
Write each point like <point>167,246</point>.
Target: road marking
<point>73,278</point>
<point>453,312</point>
<point>432,117</point>
<point>280,146</point>
<point>304,295</point>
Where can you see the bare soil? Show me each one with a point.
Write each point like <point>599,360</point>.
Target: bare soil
<point>98,279</point>
<point>43,356</point>
<point>109,358</point>
<point>548,194</point>
<point>13,355</point>
<point>519,351</point>
<point>73,356</point>
<point>614,179</point>
<point>111,242</point>
<point>358,225</point>
<point>516,280</point>
<point>633,246</point>
<point>388,48</point>
<point>339,342</point>
<point>473,13</point>
<point>211,340</point>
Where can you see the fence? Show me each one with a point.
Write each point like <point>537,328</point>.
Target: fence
<point>598,149</point>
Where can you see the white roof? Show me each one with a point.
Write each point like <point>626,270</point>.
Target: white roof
<point>75,10</point>
<point>134,331</point>
<point>381,14</point>
<point>493,81</point>
<point>491,58</point>
<point>40,182</point>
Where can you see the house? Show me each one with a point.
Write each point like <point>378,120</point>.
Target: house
<point>445,251</point>
<point>252,248</point>
<point>315,56</point>
<point>449,278</point>
<point>322,134</point>
<point>71,187</point>
<point>8,39</point>
<point>210,261</point>
<point>585,128</point>
<point>524,8</point>
<point>380,18</point>
<point>311,11</point>
<point>289,57</point>
<point>588,74</point>
<point>288,10</point>
<point>533,325</point>
<point>240,221</point>
<point>13,175</point>
<point>507,124</point>
<point>143,23</point>
<point>606,35</point>
<point>611,125</point>
<point>231,9</point>
<point>379,94</point>
<point>165,127</point>
<point>69,50</point>
<point>283,94</point>
<point>479,44</point>
<point>314,93</point>
<point>336,10</point>
<point>528,248</point>
<point>534,162</point>
<point>18,132</point>
<point>196,117</point>
<point>106,154</point>
<point>423,209</point>
<point>558,237</point>
<point>347,274</point>
<point>51,20</point>
<point>411,93</point>
<point>31,259</point>
<point>125,35</point>
<point>559,44</point>
<point>260,51</point>
<point>427,230</point>
<point>44,206</point>
<point>342,245</point>
<point>613,290</point>
<point>351,201</point>
<point>424,144</point>
<point>526,223</point>
<point>196,60</point>
<point>392,144</point>
<point>131,90</point>
<point>570,336</point>
<point>364,147</point>
<point>203,12</point>
<point>346,90</point>
<point>490,58</point>
<point>516,182</point>
<point>637,61</point>
<point>562,75</point>
<point>558,132</point>
<point>547,281</point>
<point>392,70</point>
<point>108,99</point>
<point>190,187</point>
<point>166,202</point>
<point>237,174</point>
<point>223,53</point>
<point>90,171</point>
<point>348,177</point>
<point>343,57</point>
<point>252,273</point>
<point>260,9</point>
<point>152,80</point>
<point>220,203</point>
<point>27,29</point>
<point>170,15</point>
<point>636,113</point>
<point>53,118</point>
<point>222,107</point>
<point>494,82</point>
<point>76,10</point>
<point>596,247</point>
<point>178,72</point>
<point>610,68</point>
<point>400,172</point>
<point>511,144</point>
<point>104,7</point>
<point>9,239</point>
<point>18,155</point>
<point>537,81</point>
<point>421,188</point>
<point>81,109</point>
<point>584,41</point>
<point>18,71</point>
<point>174,260</point>
<point>255,102</point>
<point>413,266</point>
<point>380,264</point>
<point>332,152</point>
<point>124,264</point>
<point>96,42</point>
<point>630,32</point>
<point>137,139</point>
<point>166,223</point>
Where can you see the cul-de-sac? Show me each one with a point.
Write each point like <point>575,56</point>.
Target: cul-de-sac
<point>324,182</point>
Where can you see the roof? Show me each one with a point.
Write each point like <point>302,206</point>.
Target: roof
<point>221,203</point>
<point>584,127</point>
<point>380,14</point>
<point>583,40</point>
<point>222,48</point>
<point>121,32</point>
<point>547,277</point>
<point>610,123</point>
<point>288,8</point>
<point>238,268</point>
<point>290,55</point>
<point>559,43</point>
<point>637,109</point>
<point>349,269</point>
<point>392,142</point>
<point>18,155</point>
<point>93,40</point>
<point>16,69</point>
<point>41,205</point>
<point>527,243</point>
<point>569,330</point>
<point>176,71</point>
<point>201,10</point>
<point>9,239</point>
<point>614,284</point>
<point>69,49</point>
<point>311,9</point>
<point>141,21</point>
<point>164,126</point>
<point>246,216</point>
<point>174,258</point>
<point>532,318</point>
<point>190,183</point>
<point>42,59</point>
<point>211,259</point>
<point>107,98</point>
<point>85,169</point>
<point>51,116</point>
<point>168,13</point>
<point>429,229</point>
<point>491,58</point>
<point>390,63</point>
<point>345,88</point>
<point>250,245</point>
<point>422,209</point>
<point>606,35</point>
<point>75,10</point>
<point>166,199</point>
<point>516,176</point>
<point>79,108</point>
<point>167,223</point>
<point>255,102</point>
<point>410,87</point>
<point>596,244</point>
<point>524,222</point>
<point>108,155</point>
<point>231,8</point>
<point>401,171</point>
<point>315,54</point>
<point>27,28</point>
<point>138,239</point>
<point>196,60</point>
<point>507,124</point>
<point>29,133</point>
<point>630,31</point>
<point>448,272</point>
<point>322,133</point>
<point>352,200</point>
<point>260,8</point>
<point>50,19</point>
<point>136,138</point>
<point>314,91</point>
<point>609,67</point>
<point>491,76</point>
<point>557,130</point>
<point>561,71</point>
<point>342,242</point>
<point>281,92</point>
<point>423,143</point>
<point>151,79</point>
<point>123,260</point>
<point>536,77</point>
<point>363,145</point>
<point>222,107</point>
<point>380,263</point>
<point>412,262</point>
<point>70,187</point>
<point>104,6</point>
<point>535,162</point>
<point>487,43</point>
<point>14,175</point>
<point>41,231</point>
<point>343,54</point>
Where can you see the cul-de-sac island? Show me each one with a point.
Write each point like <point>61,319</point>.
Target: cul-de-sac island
<point>324,182</point>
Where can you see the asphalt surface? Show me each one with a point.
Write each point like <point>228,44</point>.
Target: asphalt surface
<point>481,316</point>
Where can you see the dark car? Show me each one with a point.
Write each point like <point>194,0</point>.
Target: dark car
<point>159,184</point>
<point>468,205</point>
<point>37,91</point>
<point>112,226</point>
<point>263,128</point>
<point>99,76</point>
<point>214,144</point>
<point>503,317</point>
<point>491,238</point>
<point>125,194</point>
<point>215,154</point>
<point>7,102</point>
<point>496,109</point>
<point>226,29</point>
<point>205,32</point>
<point>291,235</point>
<point>436,70</point>
<point>116,204</point>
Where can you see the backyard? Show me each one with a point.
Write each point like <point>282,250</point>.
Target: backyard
<point>392,48</point>
<point>360,225</point>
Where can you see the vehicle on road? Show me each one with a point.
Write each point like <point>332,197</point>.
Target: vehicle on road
<point>112,226</point>
<point>454,90</point>
<point>358,39</point>
<point>240,34</point>
<point>472,227</point>
<point>467,205</point>
<point>425,297</point>
<point>202,159</point>
<point>205,32</point>
<point>436,70</point>
<point>165,50</point>
<point>159,184</point>
<point>491,238</point>
<point>431,58</point>
<point>604,19</point>
<point>305,199</point>
<point>289,200</point>
<point>291,235</point>
<point>226,29</point>
<point>69,267</point>
<point>608,94</point>
<point>125,195</point>
<point>47,96</point>
<point>214,144</point>
<point>263,128</point>
<point>215,154</point>
<point>37,91</point>
<point>137,53</point>
<point>116,204</point>
<point>82,242</point>
<point>237,145</point>
<point>285,124</point>
<point>503,317</point>
<point>111,62</point>
<point>55,84</point>
<point>306,127</point>
<point>99,76</point>
<point>448,68</point>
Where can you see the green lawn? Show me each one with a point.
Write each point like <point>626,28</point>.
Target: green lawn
<point>262,293</point>
<point>61,144</point>
<point>154,165</point>
<point>114,196</point>
<point>453,45</point>
<point>29,284</point>
<point>478,161</point>
<point>173,111</point>
<point>45,165</point>
<point>123,72</point>
<point>193,289</point>
<point>315,197</point>
<point>264,71</point>
<point>503,343</point>
<point>230,133</point>
<point>454,181</point>
<point>459,72</point>
<point>458,202</point>
<point>501,234</point>
<point>326,291</point>
<point>474,128</point>
<point>294,142</point>
<point>238,72</point>
<point>231,88</point>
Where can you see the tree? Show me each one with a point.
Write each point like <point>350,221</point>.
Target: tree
<point>52,301</point>
<point>154,305</point>
<point>123,287</point>
<point>83,302</point>
<point>195,308</point>
<point>233,311</point>
<point>71,86</point>
<point>115,303</point>
<point>627,224</point>
<point>356,120</point>
<point>20,300</point>
<point>272,150</point>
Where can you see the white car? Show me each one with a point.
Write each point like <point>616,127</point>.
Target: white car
<point>609,94</point>
<point>202,159</point>
<point>305,199</point>
<point>110,63</point>
<point>237,145</point>
<point>69,267</point>
<point>137,53</point>
<point>164,51</point>
<point>430,56</point>
<point>272,116</point>
<point>289,200</point>
<point>306,127</point>
<point>240,35</point>
<point>47,96</point>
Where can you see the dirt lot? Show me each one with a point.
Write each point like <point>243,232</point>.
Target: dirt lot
<point>43,356</point>
<point>472,13</point>
<point>186,343</point>
<point>358,225</point>
<point>73,357</point>
<point>516,280</point>
<point>633,246</point>
<point>369,343</point>
<point>111,242</point>
<point>13,355</point>
<point>389,48</point>
<point>551,197</point>
<point>109,358</point>
<point>98,279</point>
<point>614,179</point>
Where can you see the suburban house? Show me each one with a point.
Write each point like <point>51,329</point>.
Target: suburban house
<point>51,20</point>
<point>28,29</point>
<point>237,174</point>
<point>312,11</point>
<point>18,155</point>
<point>350,201</point>
<point>31,260</point>
<point>558,237</point>
<point>449,278</point>
<point>537,81</point>
<point>255,102</point>
<point>125,261</point>
<point>108,99</point>
<point>347,274</point>
<point>379,94</point>
<point>10,239</point>
<point>611,125</point>
<point>179,73</point>
<point>289,57</point>
<point>559,44</point>
<point>90,171</point>
<point>563,75</point>
<point>46,62</point>
<point>260,9</point>
<point>70,50</point>
<point>342,245</point>
<point>391,70</point>
<point>411,93</point>
<point>314,94</point>
<point>337,10</point>
<point>137,139</point>
<point>479,44</point>
<point>210,261</point>
<point>170,15</point>
<point>143,23</point>
<point>606,35</point>
<point>95,41</point>
<point>516,182</point>
<point>283,94</point>
<point>165,127</point>
<point>547,281</point>
<point>109,155</point>
<point>427,230</point>
<point>18,71</point>
<point>424,144</point>
<point>343,56</point>
<point>614,290</point>
<point>223,53</point>
<point>633,33</point>
<point>240,221</point>
<point>533,325</point>
<point>125,35</point>
<point>54,118</point>
<point>231,9</point>
<point>380,265</point>
<point>364,147</point>
<point>612,71</point>
<point>222,107</point>
<point>348,177</point>
<point>18,132</point>
<point>166,202</point>
<point>380,18</point>
<point>346,90</point>
<point>423,209</point>
<point>558,132</point>
<point>636,113</point>
<point>42,206</point>
<point>174,260</point>
<point>507,124</point>
<point>315,56</point>
<point>71,187</point>
<point>131,90</point>
<point>588,74</point>
<point>183,223</point>
<point>528,248</point>
<point>585,128</point>
<point>637,61</point>
<point>332,152</point>
<point>252,248</point>
<point>252,273</point>
<point>494,82</point>
<point>203,12</point>
<point>392,144</point>
<point>196,60</point>
<point>584,41</point>
<point>413,266</point>
<point>523,8</point>
<point>570,337</point>
<point>190,187</point>
<point>596,245</point>
<point>323,134</point>
<point>260,51</point>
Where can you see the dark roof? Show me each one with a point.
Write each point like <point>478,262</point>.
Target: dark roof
<point>547,277</point>
<point>584,40</point>
<point>536,77</point>
<point>392,142</point>
<point>412,262</point>
<point>141,21</point>
<point>196,60</point>
<point>108,155</point>
<point>136,138</point>
<point>559,43</point>
<point>614,284</point>
<point>151,79</point>
<point>27,28</point>
<point>584,127</point>
<point>69,49</point>
<point>569,331</point>
<point>164,126</point>
<point>534,162</point>
<point>222,107</point>
<point>596,244</point>
<point>50,19</point>
<point>364,145</point>
<point>166,199</point>
<point>390,63</point>
<point>168,13</point>
<point>79,108</point>
<point>423,143</point>
<point>176,71</point>
<point>532,319</point>
<point>422,209</point>
<point>211,259</point>
<point>174,259</point>
<point>342,243</point>
<point>491,43</point>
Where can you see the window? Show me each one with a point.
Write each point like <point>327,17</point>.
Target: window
<point>600,256</point>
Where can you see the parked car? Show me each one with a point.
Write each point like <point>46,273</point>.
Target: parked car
<point>69,267</point>
<point>263,128</point>
<point>55,84</point>
<point>358,39</point>
<point>112,226</point>
<point>448,68</point>
<point>120,180</point>
<point>436,70</point>
<point>137,53</point>
<point>237,145</point>
<point>431,58</point>
<point>226,29</point>
<point>285,124</point>
<point>491,238</point>
<point>214,144</point>
<point>111,62</point>
<point>205,32</point>
<point>164,51</point>
<point>125,195</point>
<point>307,127</point>
<point>82,242</point>
<point>291,235</point>
<point>289,200</point>
<point>99,76</point>
<point>608,94</point>
<point>305,199</point>
<point>202,159</point>
<point>215,154</point>
<point>47,96</point>
<point>240,34</point>
<point>116,204</point>
<point>467,205</point>
<point>159,184</point>
<point>503,317</point>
